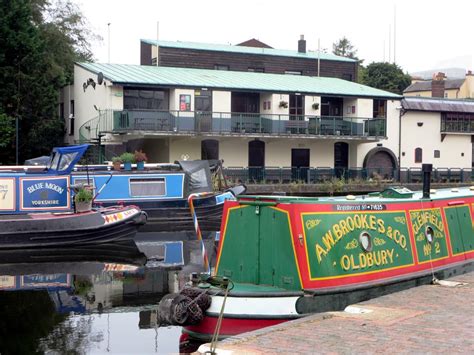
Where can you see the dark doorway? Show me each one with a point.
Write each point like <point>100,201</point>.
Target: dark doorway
<point>210,149</point>
<point>203,109</point>
<point>256,160</point>
<point>296,111</point>
<point>299,164</point>
<point>331,106</point>
<point>341,159</point>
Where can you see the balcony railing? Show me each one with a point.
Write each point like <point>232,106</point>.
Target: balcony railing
<point>221,123</point>
<point>311,175</point>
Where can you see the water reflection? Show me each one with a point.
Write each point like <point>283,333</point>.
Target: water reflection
<point>94,299</point>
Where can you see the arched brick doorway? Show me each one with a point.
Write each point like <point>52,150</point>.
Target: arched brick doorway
<point>382,162</point>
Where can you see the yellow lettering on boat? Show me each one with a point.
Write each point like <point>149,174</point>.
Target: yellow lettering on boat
<point>369,260</point>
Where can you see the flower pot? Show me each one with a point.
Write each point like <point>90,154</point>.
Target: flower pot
<point>140,165</point>
<point>117,166</point>
<point>127,166</point>
<point>83,206</point>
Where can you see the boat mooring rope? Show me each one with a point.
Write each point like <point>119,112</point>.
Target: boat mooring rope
<point>197,229</point>
<point>215,337</point>
<point>433,277</point>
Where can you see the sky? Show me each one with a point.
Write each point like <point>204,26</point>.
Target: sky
<point>428,34</point>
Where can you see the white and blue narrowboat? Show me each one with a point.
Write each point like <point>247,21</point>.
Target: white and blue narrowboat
<point>37,210</point>
<point>162,191</point>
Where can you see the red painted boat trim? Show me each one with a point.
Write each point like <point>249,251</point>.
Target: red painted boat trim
<point>230,326</point>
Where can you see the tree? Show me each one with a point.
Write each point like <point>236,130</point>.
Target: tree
<point>385,76</point>
<point>39,43</point>
<point>344,48</point>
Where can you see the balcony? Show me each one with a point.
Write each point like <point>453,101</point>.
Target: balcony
<point>241,124</point>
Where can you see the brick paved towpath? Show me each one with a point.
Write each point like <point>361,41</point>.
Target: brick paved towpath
<point>425,319</point>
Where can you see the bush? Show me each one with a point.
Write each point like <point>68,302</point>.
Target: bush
<point>128,158</point>
<point>83,195</point>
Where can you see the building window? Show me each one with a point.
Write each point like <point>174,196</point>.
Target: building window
<point>185,102</point>
<point>136,99</point>
<point>445,95</point>
<point>418,155</point>
<point>71,125</point>
<point>347,77</point>
<point>437,153</point>
<point>256,70</point>
<point>245,102</point>
<point>294,72</point>
<point>221,67</point>
<point>71,108</point>
<point>380,109</point>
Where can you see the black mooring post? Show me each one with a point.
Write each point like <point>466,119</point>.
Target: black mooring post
<point>427,169</point>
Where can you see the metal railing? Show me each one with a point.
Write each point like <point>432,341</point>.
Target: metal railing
<point>232,123</point>
<point>310,175</point>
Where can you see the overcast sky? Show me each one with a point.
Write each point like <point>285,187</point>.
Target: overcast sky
<point>429,34</point>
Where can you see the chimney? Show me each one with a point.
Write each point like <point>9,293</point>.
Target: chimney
<point>302,45</point>
<point>437,85</point>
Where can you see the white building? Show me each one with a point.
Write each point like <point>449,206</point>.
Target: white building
<point>247,119</point>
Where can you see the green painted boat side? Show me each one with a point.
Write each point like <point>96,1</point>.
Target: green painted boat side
<point>265,259</point>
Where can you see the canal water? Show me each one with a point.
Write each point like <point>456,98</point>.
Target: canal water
<point>96,299</point>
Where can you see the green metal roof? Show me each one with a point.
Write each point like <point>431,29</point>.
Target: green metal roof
<point>247,50</point>
<point>126,74</point>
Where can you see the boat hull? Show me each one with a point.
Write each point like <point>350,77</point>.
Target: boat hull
<point>64,229</point>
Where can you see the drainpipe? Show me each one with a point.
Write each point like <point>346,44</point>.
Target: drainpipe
<point>401,113</point>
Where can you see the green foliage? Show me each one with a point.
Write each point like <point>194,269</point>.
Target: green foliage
<point>7,131</point>
<point>128,157</point>
<point>344,48</point>
<point>117,160</point>
<point>385,76</point>
<point>39,42</point>
<point>83,195</point>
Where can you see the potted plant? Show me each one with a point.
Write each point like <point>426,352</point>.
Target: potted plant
<point>315,106</point>
<point>127,159</point>
<point>83,199</point>
<point>283,104</point>
<point>140,158</point>
<point>117,163</point>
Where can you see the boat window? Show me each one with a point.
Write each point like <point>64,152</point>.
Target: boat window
<point>54,161</point>
<point>147,187</point>
<point>429,233</point>
<point>66,160</point>
<point>365,241</point>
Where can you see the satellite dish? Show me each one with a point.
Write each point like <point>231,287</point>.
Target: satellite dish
<point>100,78</point>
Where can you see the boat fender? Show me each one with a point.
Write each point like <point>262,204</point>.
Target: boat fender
<point>198,296</point>
<point>174,309</point>
<point>179,309</point>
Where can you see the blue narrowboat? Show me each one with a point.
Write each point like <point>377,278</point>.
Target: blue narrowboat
<point>162,191</point>
<point>36,208</point>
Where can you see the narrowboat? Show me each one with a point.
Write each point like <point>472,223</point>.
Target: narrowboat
<point>162,191</point>
<point>287,257</point>
<point>36,208</point>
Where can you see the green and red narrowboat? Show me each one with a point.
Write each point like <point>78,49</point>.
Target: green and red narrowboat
<point>290,256</point>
